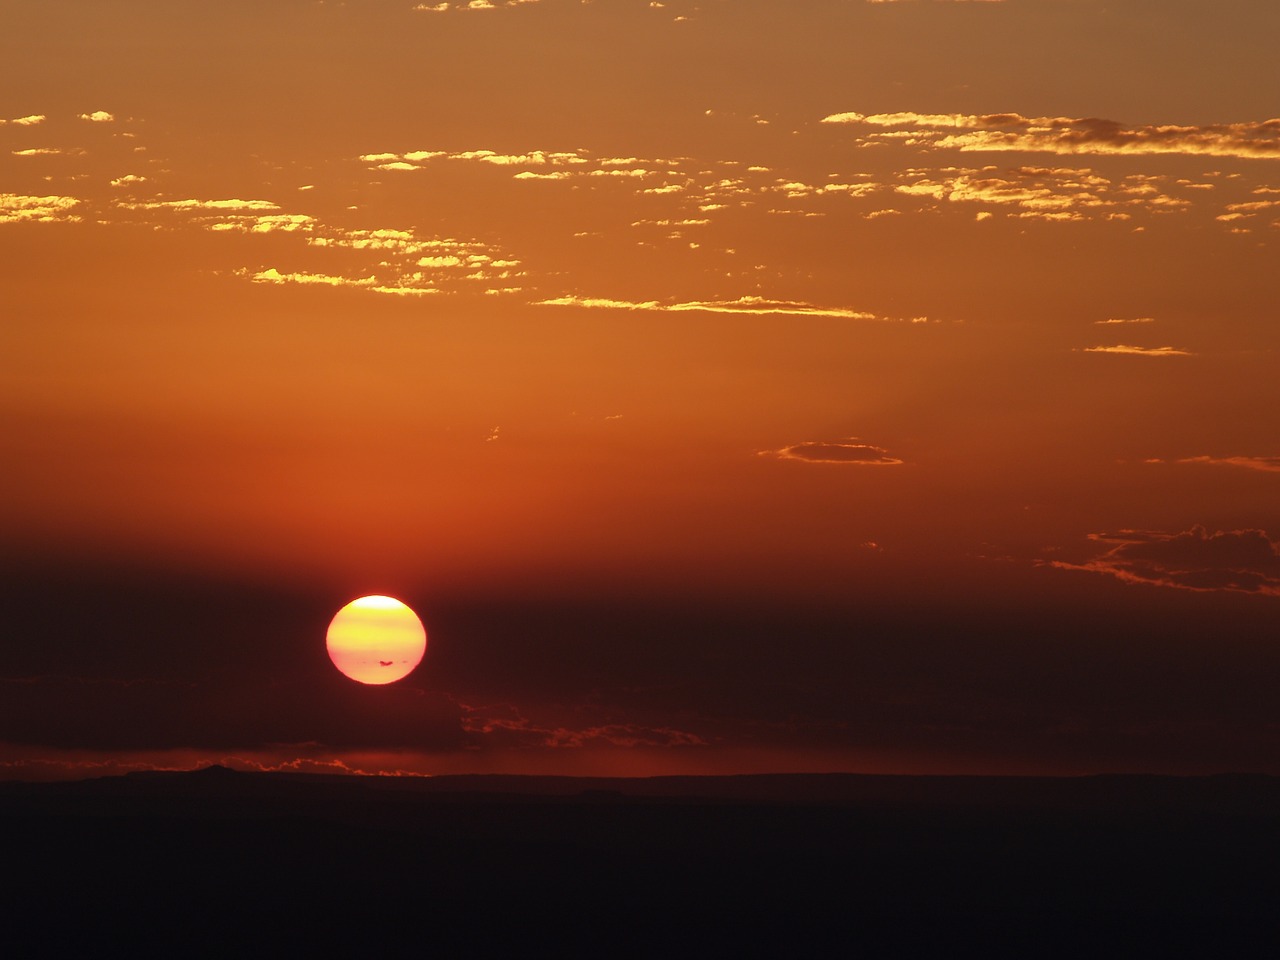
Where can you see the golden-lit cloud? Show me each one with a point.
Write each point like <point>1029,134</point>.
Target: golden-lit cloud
<point>17,208</point>
<point>382,260</point>
<point>743,305</point>
<point>1064,195</point>
<point>272,275</point>
<point>200,205</point>
<point>1113,321</point>
<point>1124,348</point>
<point>1244,561</point>
<point>850,451</point>
<point>418,159</point>
<point>762,305</point>
<point>1073,135</point>
<point>687,189</point>
<point>28,121</point>
<point>98,116</point>
<point>469,5</point>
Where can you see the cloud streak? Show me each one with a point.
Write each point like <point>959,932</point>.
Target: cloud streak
<point>848,452</point>
<point>1130,350</point>
<point>1075,135</point>
<point>1263,464</point>
<point>746,305</point>
<point>505,725</point>
<point>1239,561</point>
<point>19,208</point>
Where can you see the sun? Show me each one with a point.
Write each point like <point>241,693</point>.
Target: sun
<point>376,640</point>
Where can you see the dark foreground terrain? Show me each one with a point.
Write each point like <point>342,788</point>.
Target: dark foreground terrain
<point>222,863</point>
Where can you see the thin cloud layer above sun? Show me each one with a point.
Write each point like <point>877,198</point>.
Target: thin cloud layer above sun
<point>1244,561</point>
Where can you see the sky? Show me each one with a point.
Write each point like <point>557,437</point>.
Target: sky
<point>729,385</point>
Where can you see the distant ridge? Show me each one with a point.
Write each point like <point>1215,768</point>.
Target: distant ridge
<point>1240,792</point>
<point>753,865</point>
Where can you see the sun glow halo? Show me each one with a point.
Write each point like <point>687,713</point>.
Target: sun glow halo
<point>376,640</point>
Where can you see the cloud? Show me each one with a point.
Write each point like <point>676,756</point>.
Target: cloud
<point>98,116</point>
<point>468,5</point>
<point>396,262</point>
<point>600,303</point>
<point>701,190</point>
<point>1265,464</point>
<point>505,725</point>
<point>231,204</point>
<point>742,305</point>
<point>27,121</point>
<point>1241,561</point>
<point>1043,193</point>
<point>1118,320</point>
<point>45,763</point>
<point>414,159</point>
<point>762,305</point>
<point>1076,135</point>
<point>272,275</point>
<point>848,451</point>
<point>15,208</point>
<point>1140,351</point>
<point>270,223</point>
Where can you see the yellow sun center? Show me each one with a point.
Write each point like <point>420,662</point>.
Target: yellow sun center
<point>376,640</point>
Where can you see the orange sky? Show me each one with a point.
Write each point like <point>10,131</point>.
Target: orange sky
<point>813,305</point>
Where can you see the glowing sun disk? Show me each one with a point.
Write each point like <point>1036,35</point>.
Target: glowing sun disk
<point>376,640</point>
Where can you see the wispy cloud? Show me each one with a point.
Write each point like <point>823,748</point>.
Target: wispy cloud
<point>419,159</point>
<point>1243,561</point>
<point>850,451</point>
<point>1075,135</point>
<point>1265,464</point>
<point>1129,349</point>
<point>18,208</point>
<point>272,275</point>
<point>743,305</point>
<point>1113,321</point>
<point>686,189</point>
<point>506,725</point>
<point>469,5</point>
<point>193,204</point>
<point>384,260</point>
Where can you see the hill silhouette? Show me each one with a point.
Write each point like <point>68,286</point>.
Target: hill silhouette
<point>788,865</point>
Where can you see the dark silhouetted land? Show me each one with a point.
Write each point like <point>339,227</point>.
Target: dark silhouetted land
<point>786,866</point>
